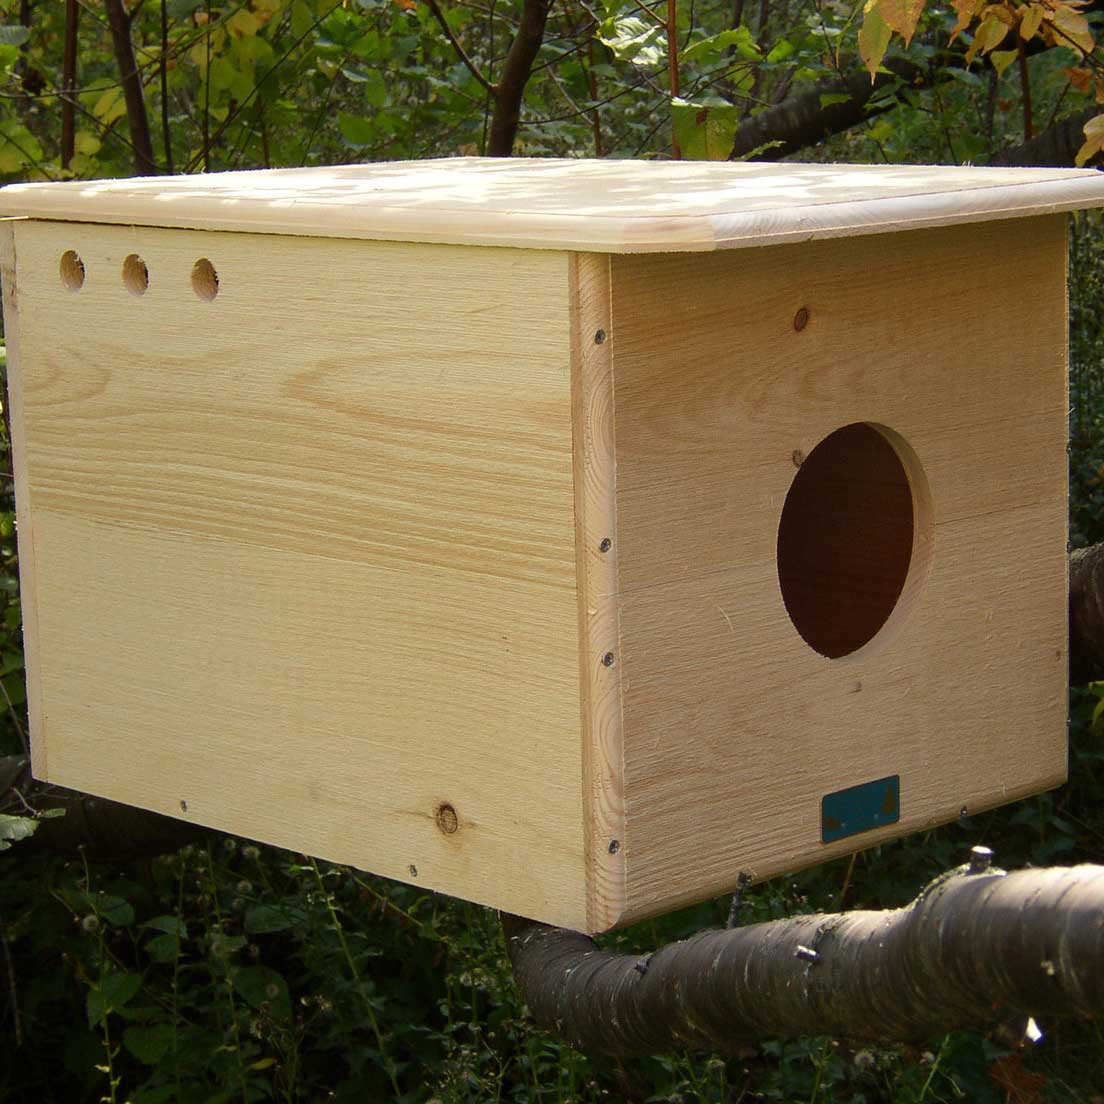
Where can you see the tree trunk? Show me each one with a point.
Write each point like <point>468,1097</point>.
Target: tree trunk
<point>973,950</point>
<point>518,67</point>
<point>138,120</point>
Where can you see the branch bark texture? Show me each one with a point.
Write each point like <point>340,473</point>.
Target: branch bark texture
<point>1086,613</point>
<point>973,950</point>
<point>137,118</point>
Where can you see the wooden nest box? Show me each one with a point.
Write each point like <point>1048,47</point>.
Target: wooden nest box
<point>571,537</point>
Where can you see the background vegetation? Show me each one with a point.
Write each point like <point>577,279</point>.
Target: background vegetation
<point>233,972</point>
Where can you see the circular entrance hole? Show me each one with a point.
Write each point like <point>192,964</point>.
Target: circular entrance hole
<point>205,281</point>
<point>854,528</point>
<point>71,270</point>
<point>135,275</point>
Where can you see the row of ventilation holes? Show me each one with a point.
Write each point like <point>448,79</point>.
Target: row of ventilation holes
<point>205,280</point>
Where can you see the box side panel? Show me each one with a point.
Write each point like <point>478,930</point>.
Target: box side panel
<point>596,524</point>
<point>729,371</point>
<point>24,528</point>
<point>305,549</point>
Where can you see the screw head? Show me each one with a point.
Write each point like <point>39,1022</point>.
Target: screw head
<point>608,659</point>
<point>599,337</point>
<point>605,544</point>
<point>801,319</point>
<point>413,870</point>
<point>981,859</point>
<point>614,846</point>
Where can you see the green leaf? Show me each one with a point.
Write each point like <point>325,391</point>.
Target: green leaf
<point>111,994</point>
<point>114,910</point>
<point>830,98</point>
<point>14,828</point>
<point>149,1044</point>
<point>356,130</point>
<point>780,50</point>
<point>707,51</point>
<point>705,132</point>
<point>163,948</point>
<point>633,39</point>
<point>181,9</point>
<point>171,924</point>
<point>264,919</point>
<point>263,985</point>
<point>12,34</point>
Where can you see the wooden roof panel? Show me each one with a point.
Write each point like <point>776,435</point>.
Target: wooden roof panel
<point>588,205</point>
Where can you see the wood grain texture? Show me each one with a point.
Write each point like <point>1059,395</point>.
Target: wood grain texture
<point>734,728</point>
<point>588,205</point>
<point>305,554</point>
<point>596,526</point>
<point>9,285</point>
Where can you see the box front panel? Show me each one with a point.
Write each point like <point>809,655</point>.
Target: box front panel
<point>303,528</point>
<point>793,650</point>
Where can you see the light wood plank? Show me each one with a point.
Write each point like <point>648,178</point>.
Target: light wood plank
<point>306,552</point>
<point>734,728</point>
<point>9,284</point>
<point>596,525</point>
<point>588,205</point>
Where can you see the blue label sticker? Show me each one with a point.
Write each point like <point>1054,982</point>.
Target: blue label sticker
<point>860,808</point>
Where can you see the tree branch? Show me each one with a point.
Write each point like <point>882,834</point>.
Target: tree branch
<point>973,950</point>
<point>144,163</point>
<point>458,46</point>
<point>802,120</point>
<point>69,83</point>
<point>516,70</point>
<point>1055,147</point>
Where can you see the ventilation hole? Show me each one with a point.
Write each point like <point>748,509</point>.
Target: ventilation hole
<point>847,536</point>
<point>135,275</point>
<point>205,280</point>
<point>71,270</point>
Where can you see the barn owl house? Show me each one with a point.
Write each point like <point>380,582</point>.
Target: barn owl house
<point>572,537</point>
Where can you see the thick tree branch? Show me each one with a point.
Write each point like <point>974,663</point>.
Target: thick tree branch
<point>69,83</point>
<point>516,70</point>
<point>973,950</point>
<point>138,120</point>
<point>802,120</point>
<point>1086,614</point>
<point>1056,147</point>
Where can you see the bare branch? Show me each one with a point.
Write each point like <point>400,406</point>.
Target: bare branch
<point>144,163</point>
<point>516,71</point>
<point>458,46</point>
<point>973,950</point>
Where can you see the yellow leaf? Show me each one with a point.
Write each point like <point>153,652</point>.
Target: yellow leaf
<point>1094,139</point>
<point>966,10</point>
<point>1002,59</point>
<point>1071,27</point>
<point>242,24</point>
<point>1029,21</point>
<point>1080,79</point>
<point>902,16</point>
<point>263,1064</point>
<point>86,143</point>
<point>989,35</point>
<point>874,38</point>
<point>110,106</point>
